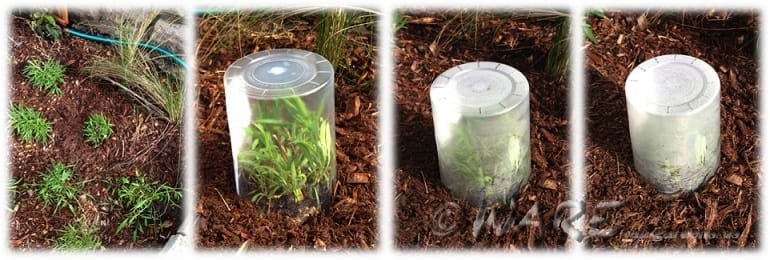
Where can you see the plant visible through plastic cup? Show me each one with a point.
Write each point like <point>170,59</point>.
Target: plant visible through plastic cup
<point>280,108</point>
<point>673,118</point>
<point>481,121</point>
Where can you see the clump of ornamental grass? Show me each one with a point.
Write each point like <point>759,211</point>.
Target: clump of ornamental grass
<point>98,128</point>
<point>134,70</point>
<point>45,75</point>
<point>334,30</point>
<point>29,124</point>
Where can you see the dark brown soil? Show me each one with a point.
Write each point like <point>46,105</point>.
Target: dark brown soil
<point>139,142</point>
<point>519,42</point>
<point>725,206</point>
<point>227,221</point>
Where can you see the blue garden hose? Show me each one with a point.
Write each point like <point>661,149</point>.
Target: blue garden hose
<point>145,45</point>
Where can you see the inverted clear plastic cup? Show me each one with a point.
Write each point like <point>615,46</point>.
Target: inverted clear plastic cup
<point>273,98</point>
<point>481,123</point>
<point>673,118</point>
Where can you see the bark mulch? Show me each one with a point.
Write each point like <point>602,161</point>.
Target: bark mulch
<point>226,220</point>
<point>139,142</point>
<point>725,209</point>
<point>521,43</point>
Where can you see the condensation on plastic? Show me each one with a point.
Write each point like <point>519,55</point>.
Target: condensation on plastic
<point>673,118</point>
<point>481,123</point>
<point>267,76</point>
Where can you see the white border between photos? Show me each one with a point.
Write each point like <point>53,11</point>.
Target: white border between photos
<point>387,115</point>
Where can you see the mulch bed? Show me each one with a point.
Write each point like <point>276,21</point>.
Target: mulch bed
<point>139,142</point>
<point>726,206</point>
<point>228,221</point>
<point>521,43</point>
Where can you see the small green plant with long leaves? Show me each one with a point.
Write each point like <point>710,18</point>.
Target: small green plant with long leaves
<point>477,160</point>
<point>701,149</point>
<point>45,75</point>
<point>144,202</point>
<point>467,163</point>
<point>14,189</point>
<point>57,187</point>
<point>29,124</point>
<point>399,22</point>
<point>587,30</point>
<point>44,25</point>
<point>288,156</point>
<point>13,186</point>
<point>558,55</point>
<point>78,237</point>
<point>98,128</point>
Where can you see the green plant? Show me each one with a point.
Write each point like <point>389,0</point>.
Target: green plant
<point>98,128</point>
<point>336,37</point>
<point>587,30</point>
<point>45,75</point>
<point>134,71</point>
<point>478,161</point>
<point>399,22</point>
<point>469,165</point>
<point>673,171</point>
<point>558,55</point>
<point>13,186</point>
<point>145,202</point>
<point>30,124</point>
<point>44,25</point>
<point>56,189</point>
<point>340,32</point>
<point>701,149</point>
<point>288,157</point>
<point>78,236</point>
<point>331,37</point>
